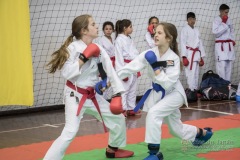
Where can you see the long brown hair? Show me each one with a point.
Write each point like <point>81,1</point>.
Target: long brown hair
<point>120,24</point>
<point>60,56</point>
<point>171,33</point>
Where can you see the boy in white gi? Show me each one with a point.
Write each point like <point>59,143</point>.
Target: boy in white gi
<point>125,52</point>
<point>224,43</point>
<point>78,61</point>
<point>192,51</point>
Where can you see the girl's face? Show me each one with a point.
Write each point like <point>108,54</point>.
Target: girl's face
<point>128,30</point>
<point>154,22</point>
<point>92,29</point>
<point>160,37</point>
<point>108,30</point>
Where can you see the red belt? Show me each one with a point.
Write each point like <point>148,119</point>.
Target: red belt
<point>88,93</point>
<point>194,51</point>
<point>225,41</point>
<point>128,61</point>
<point>113,60</point>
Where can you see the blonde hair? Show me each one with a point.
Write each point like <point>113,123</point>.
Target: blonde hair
<point>60,56</point>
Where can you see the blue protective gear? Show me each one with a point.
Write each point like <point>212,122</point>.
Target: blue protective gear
<point>151,58</point>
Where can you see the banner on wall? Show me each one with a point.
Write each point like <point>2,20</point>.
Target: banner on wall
<point>15,54</point>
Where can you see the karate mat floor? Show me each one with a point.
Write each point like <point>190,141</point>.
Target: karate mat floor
<point>28,136</point>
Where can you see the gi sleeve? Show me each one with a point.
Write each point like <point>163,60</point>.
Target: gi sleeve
<point>115,81</point>
<point>219,28</point>
<point>183,40</point>
<point>149,40</point>
<point>71,67</point>
<point>136,65</point>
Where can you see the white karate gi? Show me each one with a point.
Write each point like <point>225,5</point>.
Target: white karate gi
<point>109,48</point>
<point>224,52</point>
<point>190,39</point>
<point>166,109</point>
<point>150,40</point>
<point>83,77</point>
<point>125,49</point>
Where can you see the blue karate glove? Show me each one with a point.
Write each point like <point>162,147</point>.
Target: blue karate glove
<point>151,58</point>
<point>100,85</point>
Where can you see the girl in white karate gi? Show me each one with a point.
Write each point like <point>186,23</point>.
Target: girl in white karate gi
<point>224,43</point>
<point>125,52</point>
<point>107,42</point>
<point>192,51</point>
<point>78,63</point>
<point>152,23</point>
<point>167,95</point>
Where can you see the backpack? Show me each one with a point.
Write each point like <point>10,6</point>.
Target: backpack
<point>208,74</point>
<point>213,87</point>
<point>221,93</point>
<point>211,79</point>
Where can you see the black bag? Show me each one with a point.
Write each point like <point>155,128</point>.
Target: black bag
<point>220,93</point>
<point>211,79</point>
<point>208,74</point>
<point>191,95</point>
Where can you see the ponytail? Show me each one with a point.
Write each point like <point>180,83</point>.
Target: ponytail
<point>60,56</point>
<point>120,24</point>
<point>118,27</point>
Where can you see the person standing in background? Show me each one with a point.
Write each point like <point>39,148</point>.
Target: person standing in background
<point>107,42</point>
<point>152,23</point>
<point>223,30</point>
<point>125,52</point>
<point>192,51</point>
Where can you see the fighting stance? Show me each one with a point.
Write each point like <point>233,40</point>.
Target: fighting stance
<point>125,52</point>
<point>107,42</point>
<point>152,23</point>
<point>224,43</point>
<point>192,51</point>
<point>78,63</point>
<point>167,95</point>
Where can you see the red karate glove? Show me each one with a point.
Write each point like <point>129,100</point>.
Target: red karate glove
<point>185,61</point>
<point>201,63</point>
<point>116,104</point>
<point>224,19</point>
<point>151,29</point>
<point>92,50</point>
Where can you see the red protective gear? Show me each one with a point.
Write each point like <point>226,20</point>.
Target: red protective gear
<point>125,79</point>
<point>224,19</point>
<point>118,153</point>
<point>116,104</point>
<point>92,50</point>
<point>234,43</point>
<point>201,63</point>
<point>151,29</point>
<point>185,61</point>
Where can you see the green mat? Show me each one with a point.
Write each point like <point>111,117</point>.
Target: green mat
<point>172,148</point>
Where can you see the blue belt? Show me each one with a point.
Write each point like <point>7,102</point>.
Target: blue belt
<point>157,88</point>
